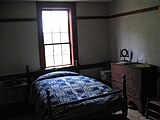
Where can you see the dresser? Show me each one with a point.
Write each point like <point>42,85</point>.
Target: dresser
<point>140,80</point>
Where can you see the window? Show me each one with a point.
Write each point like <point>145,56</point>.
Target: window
<point>57,34</point>
<point>55,25</point>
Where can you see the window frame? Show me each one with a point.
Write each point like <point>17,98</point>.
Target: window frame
<point>72,25</point>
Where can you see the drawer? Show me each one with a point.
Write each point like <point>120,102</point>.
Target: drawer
<point>115,72</point>
<point>116,85</point>
<point>134,92</point>
<point>118,72</point>
<point>135,78</point>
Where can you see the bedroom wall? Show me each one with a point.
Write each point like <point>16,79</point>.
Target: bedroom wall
<point>138,33</point>
<point>92,36</point>
<point>19,39</point>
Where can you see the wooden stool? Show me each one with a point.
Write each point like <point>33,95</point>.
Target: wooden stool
<point>153,109</point>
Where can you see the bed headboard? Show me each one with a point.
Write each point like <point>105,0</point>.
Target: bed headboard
<point>31,76</point>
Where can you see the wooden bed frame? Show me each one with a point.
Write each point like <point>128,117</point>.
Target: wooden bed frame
<point>123,91</point>
<point>124,109</point>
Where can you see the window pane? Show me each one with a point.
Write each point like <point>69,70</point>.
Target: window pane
<point>66,49</point>
<point>66,59</point>
<point>56,15</point>
<point>49,61</point>
<point>46,27</point>
<point>56,37</point>
<point>64,15</point>
<point>64,26</point>
<point>46,16</point>
<point>59,15</point>
<point>57,50</point>
<point>56,26</point>
<point>47,38</point>
<point>48,50</point>
<point>64,37</point>
<point>58,60</point>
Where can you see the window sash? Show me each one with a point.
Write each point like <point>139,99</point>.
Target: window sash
<point>71,7</point>
<point>57,58</point>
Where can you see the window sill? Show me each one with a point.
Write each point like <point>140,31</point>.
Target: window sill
<point>59,67</point>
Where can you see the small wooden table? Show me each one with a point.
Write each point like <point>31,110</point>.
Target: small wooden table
<point>15,91</point>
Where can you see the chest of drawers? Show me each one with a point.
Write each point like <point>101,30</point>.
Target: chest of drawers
<point>140,80</point>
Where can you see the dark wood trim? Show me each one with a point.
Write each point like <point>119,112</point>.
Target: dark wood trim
<point>87,17</point>
<point>104,65</point>
<point>18,19</point>
<point>40,37</point>
<point>75,36</point>
<point>133,12</point>
<point>91,17</point>
<point>120,14</point>
<point>37,73</point>
<point>95,65</point>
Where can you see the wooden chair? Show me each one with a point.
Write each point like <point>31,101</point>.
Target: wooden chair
<point>153,108</point>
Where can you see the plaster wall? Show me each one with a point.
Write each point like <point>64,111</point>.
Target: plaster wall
<point>19,40</point>
<point>93,42</point>
<point>139,33</point>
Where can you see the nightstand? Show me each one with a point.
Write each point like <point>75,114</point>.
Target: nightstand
<point>15,92</point>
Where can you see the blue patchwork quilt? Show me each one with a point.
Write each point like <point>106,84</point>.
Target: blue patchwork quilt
<point>67,87</point>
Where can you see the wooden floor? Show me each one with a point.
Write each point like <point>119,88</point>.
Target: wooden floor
<point>132,115</point>
<point>135,115</point>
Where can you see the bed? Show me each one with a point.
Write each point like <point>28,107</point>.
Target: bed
<point>67,95</point>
